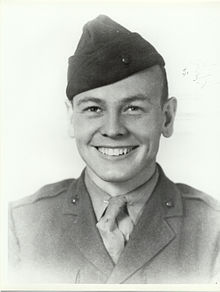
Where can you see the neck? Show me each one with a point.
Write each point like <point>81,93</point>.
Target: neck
<point>120,188</point>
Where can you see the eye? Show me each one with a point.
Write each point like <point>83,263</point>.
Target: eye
<point>132,109</point>
<point>93,109</point>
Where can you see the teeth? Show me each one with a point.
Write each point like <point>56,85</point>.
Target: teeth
<point>114,151</point>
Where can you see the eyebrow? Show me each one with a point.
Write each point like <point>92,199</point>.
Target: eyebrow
<point>138,97</point>
<point>89,99</point>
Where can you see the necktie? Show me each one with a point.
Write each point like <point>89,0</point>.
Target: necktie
<point>115,226</point>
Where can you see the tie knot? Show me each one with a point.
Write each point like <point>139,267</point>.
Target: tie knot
<point>115,206</point>
<point>117,202</point>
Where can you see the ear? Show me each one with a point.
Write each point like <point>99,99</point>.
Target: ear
<point>169,112</point>
<point>69,109</point>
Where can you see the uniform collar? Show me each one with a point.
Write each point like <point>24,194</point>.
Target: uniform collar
<point>136,198</point>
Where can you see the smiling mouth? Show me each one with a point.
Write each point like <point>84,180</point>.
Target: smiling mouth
<point>115,151</point>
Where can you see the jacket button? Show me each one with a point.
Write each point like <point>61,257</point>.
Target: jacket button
<point>125,60</point>
<point>74,201</point>
<point>169,204</point>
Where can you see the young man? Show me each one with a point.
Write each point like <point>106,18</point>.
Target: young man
<point>123,220</point>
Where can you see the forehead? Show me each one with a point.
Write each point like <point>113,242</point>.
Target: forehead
<point>148,83</point>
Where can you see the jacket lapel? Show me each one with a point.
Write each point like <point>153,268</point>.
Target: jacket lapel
<point>152,233</point>
<point>83,231</point>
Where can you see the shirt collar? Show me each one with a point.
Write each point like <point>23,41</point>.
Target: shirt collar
<point>136,198</point>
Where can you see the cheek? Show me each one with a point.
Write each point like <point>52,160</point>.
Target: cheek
<point>83,129</point>
<point>147,130</point>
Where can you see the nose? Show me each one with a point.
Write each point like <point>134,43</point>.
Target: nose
<point>113,126</point>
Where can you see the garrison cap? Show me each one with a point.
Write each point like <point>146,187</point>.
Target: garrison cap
<point>107,52</point>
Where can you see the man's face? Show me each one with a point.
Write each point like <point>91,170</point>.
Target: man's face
<point>118,127</point>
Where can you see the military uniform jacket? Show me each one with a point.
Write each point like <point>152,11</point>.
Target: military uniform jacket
<point>54,239</point>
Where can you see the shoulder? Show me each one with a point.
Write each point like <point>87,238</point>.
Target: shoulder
<point>197,197</point>
<point>187,196</point>
<point>41,208</point>
<point>45,193</point>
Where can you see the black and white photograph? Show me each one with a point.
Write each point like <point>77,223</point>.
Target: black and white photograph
<point>110,138</point>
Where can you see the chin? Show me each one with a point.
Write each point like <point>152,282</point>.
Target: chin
<point>114,176</point>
